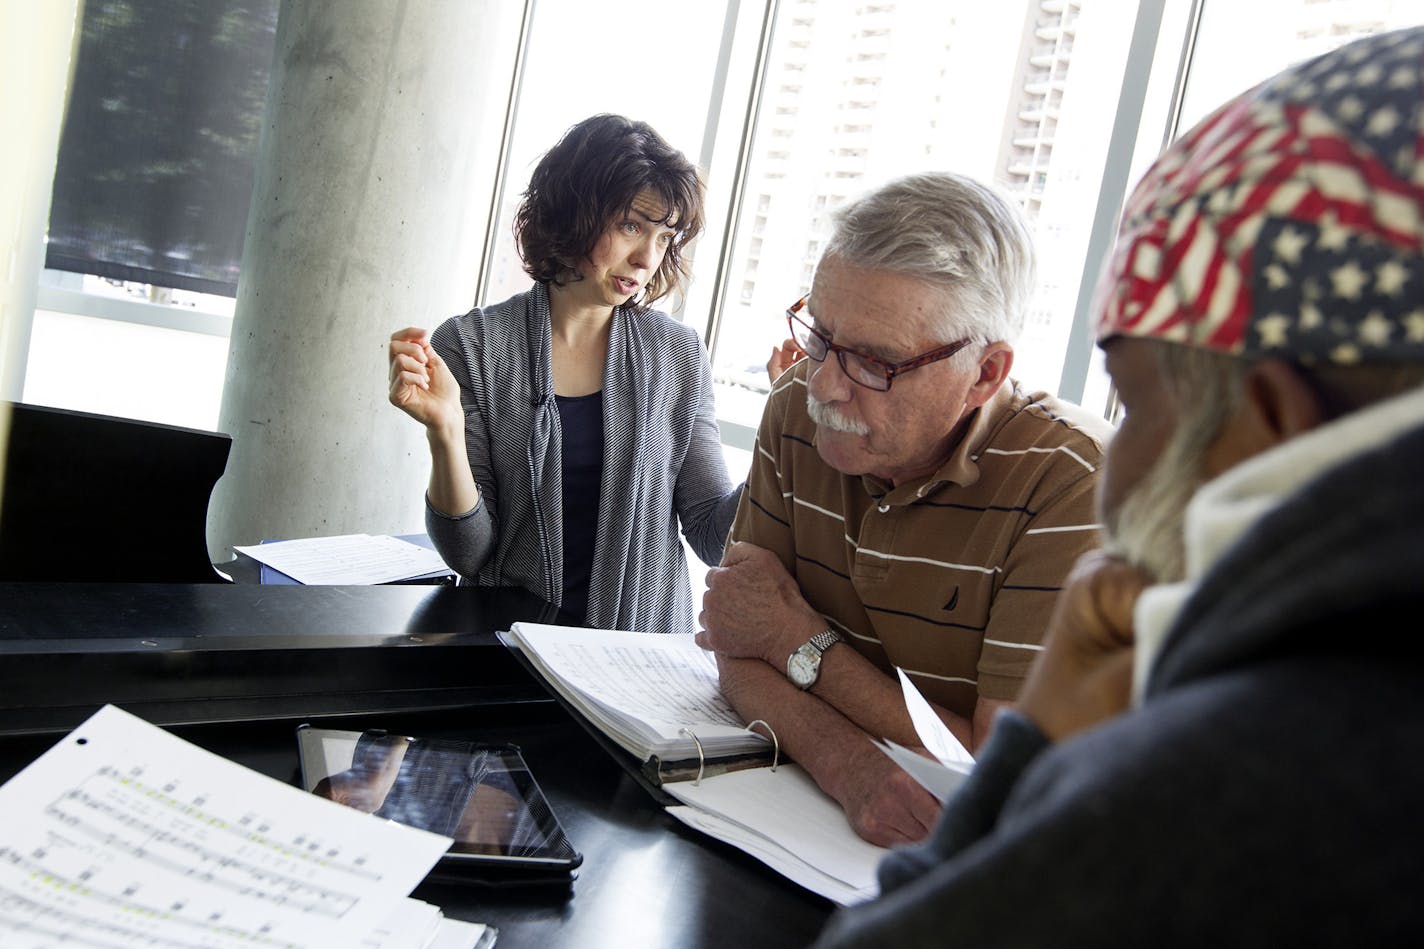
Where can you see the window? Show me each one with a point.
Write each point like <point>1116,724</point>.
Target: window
<point>1248,42</point>
<point>933,124</point>
<point>636,84</point>
<point>1046,140</point>
<point>155,168</point>
<point>952,75</point>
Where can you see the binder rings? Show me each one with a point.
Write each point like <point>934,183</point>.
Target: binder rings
<point>654,702</point>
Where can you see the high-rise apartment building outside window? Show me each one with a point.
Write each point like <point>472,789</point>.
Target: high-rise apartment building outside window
<point>792,106</point>
<point>1020,94</point>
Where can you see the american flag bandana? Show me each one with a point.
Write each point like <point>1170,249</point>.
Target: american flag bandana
<point>1290,223</point>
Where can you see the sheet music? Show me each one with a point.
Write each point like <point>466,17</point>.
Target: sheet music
<point>666,681</point>
<point>347,559</point>
<point>412,925</point>
<point>458,934</point>
<point>418,925</point>
<point>782,861</point>
<point>124,835</point>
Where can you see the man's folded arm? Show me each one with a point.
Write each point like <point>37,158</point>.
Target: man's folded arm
<point>875,702</point>
<point>883,803</point>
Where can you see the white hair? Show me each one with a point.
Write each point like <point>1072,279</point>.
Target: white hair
<point>952,232</point>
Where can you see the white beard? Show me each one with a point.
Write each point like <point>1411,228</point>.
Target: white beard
<point>1146,528</point>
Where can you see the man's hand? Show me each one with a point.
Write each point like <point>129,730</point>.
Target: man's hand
<point>753,609</point>
<point>883,803</point>
<point>1084,675</point>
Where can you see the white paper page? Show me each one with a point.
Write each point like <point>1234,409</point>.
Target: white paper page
<point>411,925</point>
<point>347,559</point>
<point>668,681</point>
<point>939,779</point>
<point>787,864</point>
<point>458,934</point>
<point>124,835</point>
<point>934,734</point>
<point>787,810</point>
<point>419,925</point>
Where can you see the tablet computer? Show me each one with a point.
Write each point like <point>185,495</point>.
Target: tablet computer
<point>482,795</point>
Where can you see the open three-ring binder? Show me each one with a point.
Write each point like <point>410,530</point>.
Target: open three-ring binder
<point>654,701</point>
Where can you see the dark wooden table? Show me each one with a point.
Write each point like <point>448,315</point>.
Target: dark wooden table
<point>646,880</point>
<point>196,653</point>
<point>273,657</point>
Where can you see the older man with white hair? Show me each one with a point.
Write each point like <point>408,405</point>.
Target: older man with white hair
<point>909,505</point>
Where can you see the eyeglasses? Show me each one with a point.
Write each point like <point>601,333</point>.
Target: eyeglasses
<point>861,368</point>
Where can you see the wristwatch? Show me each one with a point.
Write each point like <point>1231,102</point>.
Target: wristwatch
<point>803,667</point>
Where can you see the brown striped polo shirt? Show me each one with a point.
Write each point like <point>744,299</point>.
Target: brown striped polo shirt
<point>952,578</point>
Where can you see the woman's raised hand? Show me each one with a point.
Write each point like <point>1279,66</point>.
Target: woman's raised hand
<point>421,384</point>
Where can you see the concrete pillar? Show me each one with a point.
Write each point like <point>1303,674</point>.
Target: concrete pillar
<point>377,164</point>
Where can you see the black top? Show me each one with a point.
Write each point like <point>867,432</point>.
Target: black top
<point>581,421</point>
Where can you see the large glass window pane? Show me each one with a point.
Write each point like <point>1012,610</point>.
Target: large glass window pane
<point>1019,93</point>
<point>646,59</point>
<point>1240,44</point>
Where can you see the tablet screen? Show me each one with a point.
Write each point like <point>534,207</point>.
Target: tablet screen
<point>481,795</point>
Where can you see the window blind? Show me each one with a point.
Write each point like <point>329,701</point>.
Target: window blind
<point>156,159</point>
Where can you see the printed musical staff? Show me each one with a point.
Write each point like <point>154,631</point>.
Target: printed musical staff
<point>124,836</point>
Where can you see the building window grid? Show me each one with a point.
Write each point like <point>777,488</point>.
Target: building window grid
<point>1031,150</point>
<point>1038,133</point>
<point>1046,121</point>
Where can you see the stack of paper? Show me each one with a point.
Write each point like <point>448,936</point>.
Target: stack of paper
<point>784,820</point>
<point>650,693</point>
<point>124,835</point>
<point>354,559</point>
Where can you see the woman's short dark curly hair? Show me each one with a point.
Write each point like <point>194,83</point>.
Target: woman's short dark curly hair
<point>587,181</point>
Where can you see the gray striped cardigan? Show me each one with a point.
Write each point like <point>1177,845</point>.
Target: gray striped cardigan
<point>662,463</point>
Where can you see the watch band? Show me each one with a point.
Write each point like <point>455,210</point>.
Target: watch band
<point>825,639</point>
<point>803,666</point>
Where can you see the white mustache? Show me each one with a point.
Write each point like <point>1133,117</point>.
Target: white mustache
<point>833,418</point>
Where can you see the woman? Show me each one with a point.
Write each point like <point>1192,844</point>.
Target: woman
<point>571,427</point>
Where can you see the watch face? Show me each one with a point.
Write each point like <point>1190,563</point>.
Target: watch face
<point>802,666</point>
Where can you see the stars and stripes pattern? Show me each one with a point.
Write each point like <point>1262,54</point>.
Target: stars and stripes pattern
<point>1289,223</point>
